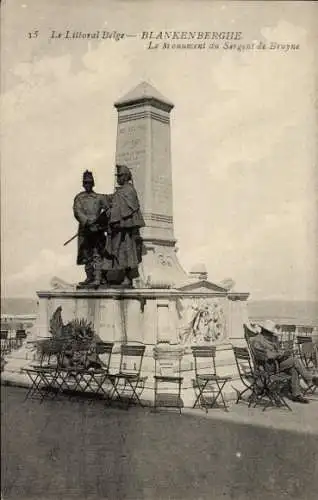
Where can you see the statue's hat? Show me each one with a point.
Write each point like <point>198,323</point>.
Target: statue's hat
<point>88,176</point>
<point>123,170</point>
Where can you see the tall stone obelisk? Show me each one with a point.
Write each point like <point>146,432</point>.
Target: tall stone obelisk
<point>143,144</point>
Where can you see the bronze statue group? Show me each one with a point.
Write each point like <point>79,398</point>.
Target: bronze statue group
<point>109,241</point>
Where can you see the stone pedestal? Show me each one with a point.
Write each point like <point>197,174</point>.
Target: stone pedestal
<point>178,318</point>
<point>174,319</point>
<point>143,315</point>
<point>237,317</point>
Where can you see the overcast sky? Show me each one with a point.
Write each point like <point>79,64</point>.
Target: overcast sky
<point>244,136</point>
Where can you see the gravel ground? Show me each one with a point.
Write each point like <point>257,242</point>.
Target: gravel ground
<point>74,449</point>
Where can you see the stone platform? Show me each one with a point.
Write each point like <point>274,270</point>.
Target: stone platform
<point>195,314</point>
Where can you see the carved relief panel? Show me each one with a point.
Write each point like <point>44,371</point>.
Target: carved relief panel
<point>201,321</point>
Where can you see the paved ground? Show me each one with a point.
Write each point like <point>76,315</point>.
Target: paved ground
<point>76,450</point>
<point>303,418</point>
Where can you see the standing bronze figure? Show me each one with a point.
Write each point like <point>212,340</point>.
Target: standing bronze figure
<point>124,243</point>
<point>91,211</point>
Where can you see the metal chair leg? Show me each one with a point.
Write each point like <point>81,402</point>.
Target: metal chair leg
<point>201,391</point>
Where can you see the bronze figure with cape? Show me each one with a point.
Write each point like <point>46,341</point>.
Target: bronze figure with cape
<point>123,251</point>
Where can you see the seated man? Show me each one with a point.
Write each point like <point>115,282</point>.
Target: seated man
<point>266,347</point>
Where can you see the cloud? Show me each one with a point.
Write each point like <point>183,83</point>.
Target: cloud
<point>46,263</point>
<point>285,32</point>
<point>275,256</point>
<point>39,272</point>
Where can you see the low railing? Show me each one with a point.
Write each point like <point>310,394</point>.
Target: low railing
<point>290,327</point>
<point>12,343</point>
<point>289,334</point>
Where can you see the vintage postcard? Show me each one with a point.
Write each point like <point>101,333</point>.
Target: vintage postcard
<point>159,204</point>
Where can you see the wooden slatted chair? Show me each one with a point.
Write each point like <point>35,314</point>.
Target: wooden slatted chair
<point>75,372</point>
<point>168,379</point>
<point>44,372</point>
<point>208,384</point>
<point>308,354</point>
<point>287,336</point>
<point>274,381</point>
<point>128,384</point>
<point>306,351</point>
<point>305,330</point>
<point>251,379</point>
<point>4,335</point>
<point>98,377</point>
<point>20,336</point>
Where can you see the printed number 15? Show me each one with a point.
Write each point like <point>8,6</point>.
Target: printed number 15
<point>33,34</point>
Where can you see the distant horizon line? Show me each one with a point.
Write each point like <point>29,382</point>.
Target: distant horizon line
<point>281,299</point>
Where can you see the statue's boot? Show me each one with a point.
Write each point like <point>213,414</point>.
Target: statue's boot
<point>127,283</point>
<point>89,276</point>
<point>97,277</point>
<point>103,280</point>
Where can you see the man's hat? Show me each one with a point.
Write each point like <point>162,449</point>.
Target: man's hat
<point>270,326</point>
<point>88,176</point>
<point>123,170</point>
<point>254,327</point>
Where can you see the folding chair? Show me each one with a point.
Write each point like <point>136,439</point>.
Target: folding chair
<point>168,380</point>
<point>7,342</point>
<point>96,376</point>
<point>128,381</point>
<point>105,349</point>
<point>49,351</point>
<point>44,374</point>
<point>273,381</point>
<point>207,384</point>
<point>252,380</point>
<point>308,354</point>
<point>4,342</point>
<point>41,385</point>
<point>305,331</point>
<point>287,336</point>
<point>72,374</point>
<point>20,336</point>
<point>306,351</point>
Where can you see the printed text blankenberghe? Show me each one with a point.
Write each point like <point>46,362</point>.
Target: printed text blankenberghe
<point>191,35</point>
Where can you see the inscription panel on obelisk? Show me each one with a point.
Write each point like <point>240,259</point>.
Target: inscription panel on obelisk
<point>161,182</point>
<point>143,144</point>
<point>131,151</point>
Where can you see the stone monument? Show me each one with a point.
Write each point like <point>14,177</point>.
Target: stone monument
<point>167,305</point>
